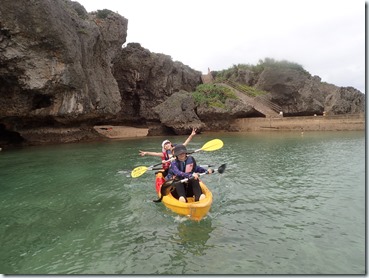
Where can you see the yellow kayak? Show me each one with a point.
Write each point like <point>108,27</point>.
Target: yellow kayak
<point>193,210</point>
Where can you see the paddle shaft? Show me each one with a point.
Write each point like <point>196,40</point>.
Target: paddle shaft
<point>195,151</point>
<point>203,166</point>
<point>173,158</point>
<point>211,145</point>
<point>221,169</point>
<point>200,174</point>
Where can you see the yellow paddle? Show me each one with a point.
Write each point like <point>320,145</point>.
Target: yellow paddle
<point>139,171</point>
<point>212,145</point>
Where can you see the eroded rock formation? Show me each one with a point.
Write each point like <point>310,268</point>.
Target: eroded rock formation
<point>148,79</point>
<point>300,94</point>
<point>55,64</point>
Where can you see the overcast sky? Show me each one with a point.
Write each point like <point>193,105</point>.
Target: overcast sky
<point>326,37</point>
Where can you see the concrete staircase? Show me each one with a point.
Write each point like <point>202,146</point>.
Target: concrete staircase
<point>259,103</point>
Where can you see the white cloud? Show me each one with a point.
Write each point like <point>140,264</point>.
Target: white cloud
<point>326,37</point>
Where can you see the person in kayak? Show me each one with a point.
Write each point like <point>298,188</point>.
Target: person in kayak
<point>184,166</point>
<point>167,151</point>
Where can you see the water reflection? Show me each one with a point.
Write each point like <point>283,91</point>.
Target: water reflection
<point>193,235</point>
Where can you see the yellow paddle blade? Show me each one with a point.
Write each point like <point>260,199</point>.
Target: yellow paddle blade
<point>138,171</point>
<point>213,145</point>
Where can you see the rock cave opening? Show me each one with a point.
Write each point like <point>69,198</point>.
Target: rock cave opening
<point>8,137</point>
<point>41,101</point>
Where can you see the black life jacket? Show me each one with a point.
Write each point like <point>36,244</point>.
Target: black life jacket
<point>189,160</point>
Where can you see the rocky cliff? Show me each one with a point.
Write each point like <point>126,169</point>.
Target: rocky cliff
<point>300,94</point>
<point>55,64</point>
<point>147,79</point>
<point>63,70</point>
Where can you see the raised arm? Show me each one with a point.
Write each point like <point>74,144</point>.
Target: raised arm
<point>193,133</point>
<point>143,153</point>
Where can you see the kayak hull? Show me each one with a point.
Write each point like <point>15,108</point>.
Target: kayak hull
<point>191,209</point>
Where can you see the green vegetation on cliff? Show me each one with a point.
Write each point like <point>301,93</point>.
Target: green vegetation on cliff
<point>212,95</point>
<point>103,13</point>
<point>233,73</point>
<point>248,90</point>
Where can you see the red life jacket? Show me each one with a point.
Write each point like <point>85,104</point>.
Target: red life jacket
<point>165,156</point>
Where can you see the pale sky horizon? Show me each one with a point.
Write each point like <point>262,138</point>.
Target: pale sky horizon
<point>326,37</point>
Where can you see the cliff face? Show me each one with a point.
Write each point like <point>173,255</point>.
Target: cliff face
<point>56,63</point>
<point>298,93</point>
<point>147,79</point>
<point>63,70</point>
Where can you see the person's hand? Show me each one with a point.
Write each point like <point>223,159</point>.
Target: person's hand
<point>195,176</point>
<point>210,171</point>
<point>193,131</point>
<point>142,153</point>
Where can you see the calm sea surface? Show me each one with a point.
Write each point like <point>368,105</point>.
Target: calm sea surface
<point>287,204</point>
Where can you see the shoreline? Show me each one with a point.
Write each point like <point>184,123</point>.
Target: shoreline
<point>312,123</point>
<point>51,136</point>
<point>120,132</point>
<point>303,123</point>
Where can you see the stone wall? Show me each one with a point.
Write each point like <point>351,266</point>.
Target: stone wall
<point>337,122</point>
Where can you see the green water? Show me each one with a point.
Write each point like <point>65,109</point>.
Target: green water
<point>287,204</point>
